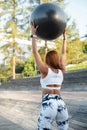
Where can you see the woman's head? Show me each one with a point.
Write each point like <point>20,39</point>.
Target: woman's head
<point>52,59</point>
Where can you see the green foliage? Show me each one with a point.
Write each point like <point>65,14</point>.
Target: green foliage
<point>82,65</point>
<point>5,73</point>
<point>75,46</point>
<point>19,68</point>
<point>84,46</point>
<point>29,68</point>
<point>12,29</point>
<point>15,15</point>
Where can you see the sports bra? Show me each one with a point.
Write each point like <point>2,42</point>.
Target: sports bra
<point>52,78</point>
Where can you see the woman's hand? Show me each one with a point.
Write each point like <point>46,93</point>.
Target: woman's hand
<point>33,29</point>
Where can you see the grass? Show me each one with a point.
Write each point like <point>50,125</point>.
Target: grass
<point>82,65</point>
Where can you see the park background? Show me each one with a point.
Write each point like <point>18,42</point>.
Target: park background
<point>20,98</point>
<point>16,58</point>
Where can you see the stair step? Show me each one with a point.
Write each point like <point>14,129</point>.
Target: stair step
<point>73,78</point>
<point>78,125</point>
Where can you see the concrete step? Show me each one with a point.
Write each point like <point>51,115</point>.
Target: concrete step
<point>22,108</point>
<point>25,122</point>
<point>6,124</point>
<point>78,125</point>
<point>74,81</point>
<point>18,117</point>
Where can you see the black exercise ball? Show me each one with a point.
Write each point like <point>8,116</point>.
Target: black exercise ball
<point>51,21</point>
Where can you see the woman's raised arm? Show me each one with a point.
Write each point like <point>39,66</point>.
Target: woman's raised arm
<point>63,52</point>
<point>40,64</point>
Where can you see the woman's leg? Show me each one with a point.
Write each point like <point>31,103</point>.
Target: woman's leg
<point>62,116</point>
<point>45,119</point>
<point>47,113</point>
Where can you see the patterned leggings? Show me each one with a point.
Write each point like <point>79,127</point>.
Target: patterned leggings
<point>53,107</point>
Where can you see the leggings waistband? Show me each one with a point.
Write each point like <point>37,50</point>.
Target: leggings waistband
<point>50,96</point>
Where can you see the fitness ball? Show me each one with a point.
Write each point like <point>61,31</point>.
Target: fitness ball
<point>50,19</point>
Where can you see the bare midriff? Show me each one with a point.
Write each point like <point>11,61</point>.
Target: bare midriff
<point>51,91</point>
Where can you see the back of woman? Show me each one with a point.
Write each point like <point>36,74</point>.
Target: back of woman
<point>52,107</point>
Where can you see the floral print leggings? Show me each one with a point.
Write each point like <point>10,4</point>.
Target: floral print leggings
<point>53,108</point>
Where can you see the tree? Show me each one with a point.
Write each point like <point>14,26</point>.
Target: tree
<point>29,68</point>
<point>74,44</point>
<point>74,49</point>
<point>84,46</point>
<point>15,26</point>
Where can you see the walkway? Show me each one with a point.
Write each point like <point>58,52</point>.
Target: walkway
<point>19,110</point>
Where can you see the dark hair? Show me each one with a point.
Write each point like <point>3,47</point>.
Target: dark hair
<point>52,59</point>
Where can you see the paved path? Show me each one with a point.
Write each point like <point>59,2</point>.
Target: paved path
<point>19,110</point>
<point>6,124</point>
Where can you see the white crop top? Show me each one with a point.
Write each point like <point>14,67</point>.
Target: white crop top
<point>52,78</point>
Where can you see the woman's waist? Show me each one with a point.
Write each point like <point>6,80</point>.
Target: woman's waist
<point>50,91</point>
<point>51,86</point>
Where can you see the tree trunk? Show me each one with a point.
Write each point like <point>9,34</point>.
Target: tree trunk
<point>46,49</point>
<point>13,66</point>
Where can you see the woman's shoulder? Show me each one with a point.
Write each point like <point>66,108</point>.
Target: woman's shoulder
<point>61,71</point>
<point>43,75</point>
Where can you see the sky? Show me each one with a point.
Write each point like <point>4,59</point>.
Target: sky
<point>77,10</point>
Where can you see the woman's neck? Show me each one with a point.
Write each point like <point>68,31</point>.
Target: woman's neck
<point>54,70</point>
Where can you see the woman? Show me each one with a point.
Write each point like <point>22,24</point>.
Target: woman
<point>52,71</point>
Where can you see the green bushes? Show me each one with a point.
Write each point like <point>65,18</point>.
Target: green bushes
<point>82,65</point>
